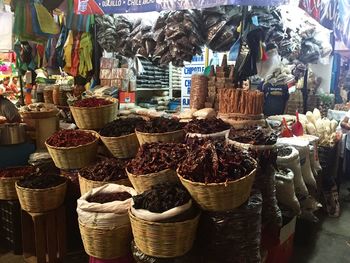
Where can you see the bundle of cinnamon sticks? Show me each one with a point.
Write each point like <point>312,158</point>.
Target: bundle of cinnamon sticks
<point>249,102</point>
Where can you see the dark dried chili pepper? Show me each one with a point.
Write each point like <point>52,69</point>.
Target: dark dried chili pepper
<point>160,125</point>
<point>107,170</point>
<point>121,127</point>
<point>206,126</point>
<point>254,135</point>
<point>102,198</point>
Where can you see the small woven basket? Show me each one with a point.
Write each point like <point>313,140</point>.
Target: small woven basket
<point>94,118</point>
<point>106,243</point>
<point>41,200</point>
<point>143,183</point>
<point>122,146</point>
<point>175,136</point>
<point>219,197</point>
<point>86,185</point>
<point>8,188</point>
<point>164,240</point>
<point>77,157</point>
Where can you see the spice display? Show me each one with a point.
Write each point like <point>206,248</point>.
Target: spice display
<point>16,171</point>
<point>107,170</point>
<point>92,102</point>
<point>254,135</point>
<point>155,157</point>
<point>162,197</point>
<point>121,127</point>
<point>232,236</point>
<point>41,181</point>
<point>160,125</point>
<point>206,126</point>
<point>70,138</point>
<point>241,101</point>
<point>102,198</point>
<point>199,91</point>
<point>209,162</point>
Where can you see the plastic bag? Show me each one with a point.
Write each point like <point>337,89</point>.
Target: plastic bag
<point>233,236</point>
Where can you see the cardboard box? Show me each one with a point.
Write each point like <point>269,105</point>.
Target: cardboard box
<point>105,73</point>
<point>284,251</point>
<point>127,97</point>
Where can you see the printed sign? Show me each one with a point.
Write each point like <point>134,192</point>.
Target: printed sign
<point>196,66</point>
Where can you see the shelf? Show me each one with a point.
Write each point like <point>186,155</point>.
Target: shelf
<point>144,89</point>
<point>177,89</point>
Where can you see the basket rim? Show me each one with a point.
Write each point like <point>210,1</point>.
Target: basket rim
<point>97,107</point>
<point>131,215</point>
<point>9,179</point>
<point>102,228</point>
<point>150,174</point>
<point>217,184</point>
<point>256,146</point>
<point>110,182</point>
<point>209,134</point>
<point>159,133</point>
<point>97,137</point>
<point>117,137</point>
<point>41,190</point>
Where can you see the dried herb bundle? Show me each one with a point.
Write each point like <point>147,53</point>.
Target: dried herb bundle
<point>206,126</point>
<point>160,125</point>
<point>107,170</point>
<point>162,197</point>
<point>209,162</point>
<point>155,157</point>
<point>255,136</point>
<point>121,127</point>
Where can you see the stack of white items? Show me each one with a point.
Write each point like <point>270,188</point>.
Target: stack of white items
<point>189,114</point>
<point>323,128</point>
<point>302,176</point>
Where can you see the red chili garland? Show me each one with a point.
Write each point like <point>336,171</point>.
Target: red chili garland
<point>70,138</point>
<point>92,102</point>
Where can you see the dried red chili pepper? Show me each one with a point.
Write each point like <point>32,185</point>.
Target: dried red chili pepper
<point>215,162</point>
<point>155,157</point>
<point>70,138</point>
<point>107,170</point>
<point>92,102</point>
<point>16,171</point>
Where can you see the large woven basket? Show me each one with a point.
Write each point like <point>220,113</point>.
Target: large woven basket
<point>175,136</point>
<point>86,185</point>
<point>219,197</point>
<point>164,240</point>
<point>94,118</point>
<point>8,188</point>
<point>74,157</point>
<point>143,183</point>
<point>41,200</point>
<point>123,146</point>
<point>106,243</point>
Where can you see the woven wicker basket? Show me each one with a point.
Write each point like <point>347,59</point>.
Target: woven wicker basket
<point>94,118</point>
<point>219,197</point>
<point>74,157</point>
<point>253,147</point>
<point>86,185</point>
<point>41,200</point>
<point>8,188</point>
<point>175,136</point>
<point>164,240</point>
<point>143,183</point>
<point>106,243</point>
<point>123,146</point>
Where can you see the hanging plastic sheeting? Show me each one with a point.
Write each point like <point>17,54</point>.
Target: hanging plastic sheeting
<point>6,32</point>
<point>85,7</point>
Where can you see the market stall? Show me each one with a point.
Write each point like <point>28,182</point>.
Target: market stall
<point>172,136</point>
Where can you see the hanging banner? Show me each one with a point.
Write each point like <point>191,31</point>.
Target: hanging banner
<point>86,7</point>
<point>342,27</point>
<point>323,11</point>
